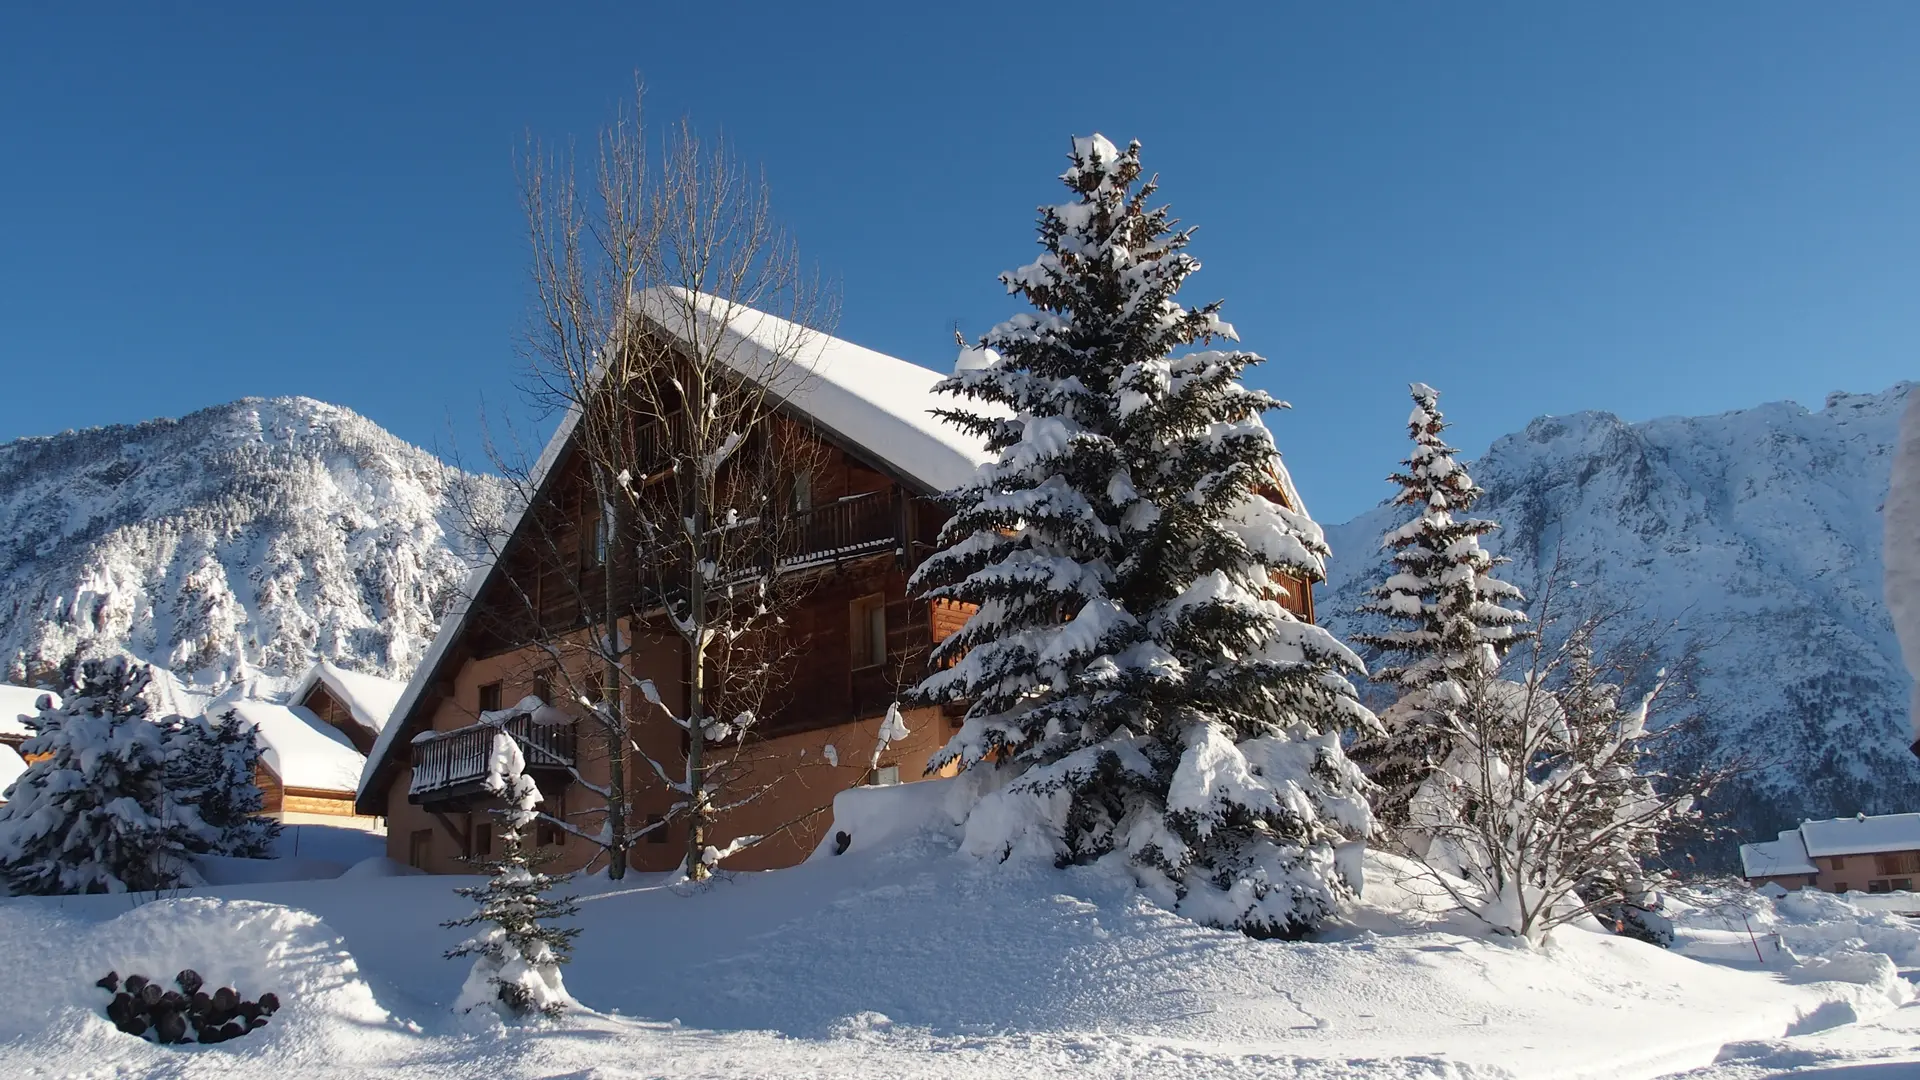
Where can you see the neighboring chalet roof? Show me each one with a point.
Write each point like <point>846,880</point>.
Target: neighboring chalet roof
<point>1861,835</point>
<point>369,698</point>
<point>11,766</point>
<point>878,405</point>
<point>300,748</point>
<point>16,704</point>
<point>1774,857</point>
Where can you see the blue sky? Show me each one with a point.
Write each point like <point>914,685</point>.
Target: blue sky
<point>1649,209</point>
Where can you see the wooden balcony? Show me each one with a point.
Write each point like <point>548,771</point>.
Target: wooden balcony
<point>857,525</point>
<point>451,766</point>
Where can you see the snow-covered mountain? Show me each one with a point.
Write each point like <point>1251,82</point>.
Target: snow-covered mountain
<point>1759,533</point>
<point>234,545</point>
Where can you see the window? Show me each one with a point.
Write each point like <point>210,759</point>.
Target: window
<point>546,833</point>
<point>490,697</point>
<point>593,535</point>
<point>419,847</point>
<point>1897,862</point>
<point>1837,862</point>
<point>868,630</point>
<point>543,686</point>
<point>886,774</point>
<point>656,829</point>
<point>482,840</point>
<point>1839,886</point>
<point>800,498</point>
<point>1877,886</point>
<point>1904,884</point>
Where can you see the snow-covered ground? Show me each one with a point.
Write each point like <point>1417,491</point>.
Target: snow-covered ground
<point>903,958</point>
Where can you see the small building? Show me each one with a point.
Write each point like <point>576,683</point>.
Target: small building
<point>314,744</point>
<point>307,767</point>
<point>1874,854</point>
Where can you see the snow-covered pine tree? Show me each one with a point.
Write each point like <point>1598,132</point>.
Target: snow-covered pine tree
<point>1452,622</point>
<point>211,766</point>
<point>93,814</point>
<point>1131,668</point>
<point>518,952</point>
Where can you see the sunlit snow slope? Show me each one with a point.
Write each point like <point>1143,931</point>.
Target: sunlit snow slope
<point>242,541</point>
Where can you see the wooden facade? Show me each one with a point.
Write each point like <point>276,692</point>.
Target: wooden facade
<point>858,528</point>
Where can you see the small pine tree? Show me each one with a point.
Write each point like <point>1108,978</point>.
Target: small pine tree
<point>93,814</point>
<point>518,953</point>
<point>211,767</point>
<point>1131,663</point>
<point>1453,622</point>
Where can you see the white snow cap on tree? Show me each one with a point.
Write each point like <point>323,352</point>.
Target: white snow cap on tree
<point>1132,665</point>
<point>1449,614</point>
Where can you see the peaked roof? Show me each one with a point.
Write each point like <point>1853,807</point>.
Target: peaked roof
<point>301,749</point>
<point>878,405</point>
<point>369,698</point>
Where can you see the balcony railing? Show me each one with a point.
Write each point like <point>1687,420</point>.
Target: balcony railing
<point>838,530</point>
<point>450,763</point>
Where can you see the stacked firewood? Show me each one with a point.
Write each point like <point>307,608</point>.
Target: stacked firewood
<point>142,1007</point>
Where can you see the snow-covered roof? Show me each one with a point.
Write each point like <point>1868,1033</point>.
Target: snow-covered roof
<point>301,749</point>
<point>1774,857</point>
<point>11,766</point>
<point>1862,835</point>
<point>16,704</point>
<point>369,698</point>
<point>876,403</point>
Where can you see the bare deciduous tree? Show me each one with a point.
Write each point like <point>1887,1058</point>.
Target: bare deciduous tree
<point>652,340</point>
<point>1553,800</point>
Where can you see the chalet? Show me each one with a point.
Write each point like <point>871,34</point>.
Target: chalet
<point>863,517</point>
<point>313,746</point>
<point>1869,854</point>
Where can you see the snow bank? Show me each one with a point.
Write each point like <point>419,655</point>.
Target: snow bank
<point>221,870</point>
<point>1794,930</point>
<point>50,1007</point>
<point>16,704</point>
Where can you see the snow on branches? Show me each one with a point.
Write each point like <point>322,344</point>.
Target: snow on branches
<point>517,952</point>
<point>1451,617</point>
<point>93,813</point>
<point>1132,665</point>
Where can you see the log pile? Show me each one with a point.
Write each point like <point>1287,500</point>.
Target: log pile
<point>142,1007</point>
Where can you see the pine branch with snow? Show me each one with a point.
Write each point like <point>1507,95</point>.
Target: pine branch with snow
<point>1131,663</point>
<point>1453,620</point>
<point>517,951</point>
<point>92,812</point>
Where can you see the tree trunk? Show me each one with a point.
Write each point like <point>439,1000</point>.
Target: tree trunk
<point>613,697</point>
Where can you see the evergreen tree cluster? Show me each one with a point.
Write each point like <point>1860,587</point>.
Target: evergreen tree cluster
<point>116,800</point>
<point>1132,668</point>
